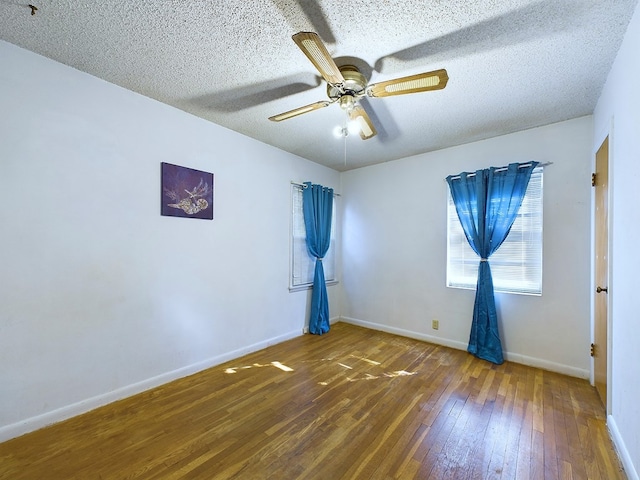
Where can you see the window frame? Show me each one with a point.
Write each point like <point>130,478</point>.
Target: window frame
<point>468,281</point>
<point>329,261</point>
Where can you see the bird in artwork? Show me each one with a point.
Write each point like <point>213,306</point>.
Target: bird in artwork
<point>193,202</point>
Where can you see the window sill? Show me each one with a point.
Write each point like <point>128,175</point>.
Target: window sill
<point>309,286</point>
<point>498,290</point>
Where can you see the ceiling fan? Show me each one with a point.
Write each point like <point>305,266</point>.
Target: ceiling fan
<point>346,85</point>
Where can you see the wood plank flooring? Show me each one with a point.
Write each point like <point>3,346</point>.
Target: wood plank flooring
<point>351,404</point>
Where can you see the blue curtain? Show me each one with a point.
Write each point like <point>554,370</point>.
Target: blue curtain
<point>317,206</point>
<point>487,204</point>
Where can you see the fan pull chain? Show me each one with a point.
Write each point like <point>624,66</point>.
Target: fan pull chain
<point>345,142</point>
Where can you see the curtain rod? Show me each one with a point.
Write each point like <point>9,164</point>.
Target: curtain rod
<point>304,186</point>
<point>502,169</point>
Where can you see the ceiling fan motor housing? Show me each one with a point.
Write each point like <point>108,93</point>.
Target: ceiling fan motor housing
<point>354,85</point>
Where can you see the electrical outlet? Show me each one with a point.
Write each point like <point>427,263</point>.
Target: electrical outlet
<point>435,324</point>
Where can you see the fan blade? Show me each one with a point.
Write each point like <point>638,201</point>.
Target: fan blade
<point>421,82</point>
<point>300,110</point>
<point>314,49</point>
<point>359,115</point>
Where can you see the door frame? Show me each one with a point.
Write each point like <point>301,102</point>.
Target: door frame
<point>599,139</point>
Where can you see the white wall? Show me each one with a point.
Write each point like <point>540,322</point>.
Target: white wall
<point>100,296</point>
<point>394,248</point>
<point>619,105</point>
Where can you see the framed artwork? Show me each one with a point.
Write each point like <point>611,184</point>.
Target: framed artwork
<point>186,192</point>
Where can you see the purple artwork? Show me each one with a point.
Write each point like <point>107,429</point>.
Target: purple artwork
<point>186,192</point>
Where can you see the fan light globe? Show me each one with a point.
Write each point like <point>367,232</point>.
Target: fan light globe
<point>353,127</point>
<point>347,102</point>
<point>340,131</point>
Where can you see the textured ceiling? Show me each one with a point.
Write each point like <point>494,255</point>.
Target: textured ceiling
<point>513,64</point>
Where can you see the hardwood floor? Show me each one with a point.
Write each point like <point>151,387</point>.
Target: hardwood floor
<point>351,404</point>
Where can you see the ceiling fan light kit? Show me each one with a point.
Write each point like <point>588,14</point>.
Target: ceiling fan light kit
<point>347,102</point>
<point>345,85</point>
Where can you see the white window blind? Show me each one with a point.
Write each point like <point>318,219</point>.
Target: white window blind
<point>516,267</point>
<point>302,263</point>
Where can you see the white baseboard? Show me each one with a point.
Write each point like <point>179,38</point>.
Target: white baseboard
<point>406,333</point>
<point>547,365</point>
<point>48,418</point>
<point>510,356</point>
<point>621,447</point>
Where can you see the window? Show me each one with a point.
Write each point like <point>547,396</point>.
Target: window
<point>303,264</point>
<point>516,266</point>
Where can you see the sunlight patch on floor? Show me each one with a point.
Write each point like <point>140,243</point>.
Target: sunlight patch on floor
<point>368,376</point>
<point>279,365</point>
<point>356,369</point>
<point>372,362</point>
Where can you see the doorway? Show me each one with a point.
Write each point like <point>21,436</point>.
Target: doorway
<point>601,271</point>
